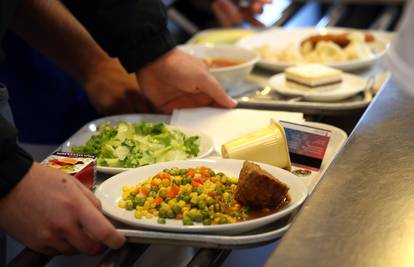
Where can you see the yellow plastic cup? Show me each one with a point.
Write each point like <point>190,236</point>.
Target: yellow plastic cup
<point>267,145</point>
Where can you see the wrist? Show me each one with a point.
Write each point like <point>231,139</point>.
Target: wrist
<point>94,65</point>
<point>164,61</point>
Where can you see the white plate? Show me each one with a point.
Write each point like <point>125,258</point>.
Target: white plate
<point>279,39</point>
<point>80,138</point>
<point>220,36</point>
<point>109,193</point>
<point>351,85</point>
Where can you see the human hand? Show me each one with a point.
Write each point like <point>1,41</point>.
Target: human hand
<point>53,213</point>
<point>229,14</point>
<point>178,80</point>
<point>111,90</point>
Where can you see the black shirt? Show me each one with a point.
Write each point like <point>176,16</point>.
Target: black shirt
<point>14,162</point>
<point>7,8</point>
<point>135,31</point>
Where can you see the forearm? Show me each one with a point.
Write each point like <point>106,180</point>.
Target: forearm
<point>48,26</point>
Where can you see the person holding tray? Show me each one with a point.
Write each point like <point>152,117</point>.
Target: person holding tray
<point>47,210</point>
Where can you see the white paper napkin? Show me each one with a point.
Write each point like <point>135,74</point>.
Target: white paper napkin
<point>226,124</point>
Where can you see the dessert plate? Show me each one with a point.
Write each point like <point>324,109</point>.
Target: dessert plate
<point>351,85</point>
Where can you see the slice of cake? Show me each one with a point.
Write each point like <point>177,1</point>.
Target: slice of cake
<point>259,189</point>
<point>313,76</point>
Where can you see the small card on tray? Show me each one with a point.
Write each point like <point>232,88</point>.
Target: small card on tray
<point>83,167</point>
<point>307,144</point>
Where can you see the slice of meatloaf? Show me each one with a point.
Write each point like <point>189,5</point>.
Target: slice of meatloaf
<point>259,189</point>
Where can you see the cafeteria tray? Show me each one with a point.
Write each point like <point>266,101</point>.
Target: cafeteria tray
<point>256,93</point>
<point>254,238</point>
<point>250,239</point>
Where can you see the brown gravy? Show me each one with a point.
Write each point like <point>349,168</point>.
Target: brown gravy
<point>257,213</point>
<point>220,62</point>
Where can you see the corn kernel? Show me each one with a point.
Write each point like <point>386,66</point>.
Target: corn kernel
<point>125,195</point>
<point>138,214</point>
<point>121,204</point>
<point>165,182</point>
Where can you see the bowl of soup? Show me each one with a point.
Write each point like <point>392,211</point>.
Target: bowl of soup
<point>228,64</point>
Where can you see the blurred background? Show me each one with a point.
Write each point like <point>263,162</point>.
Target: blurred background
<point>59,106</point>
<point>188,16</point>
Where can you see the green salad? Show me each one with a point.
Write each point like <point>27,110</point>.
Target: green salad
<point>130,145</point>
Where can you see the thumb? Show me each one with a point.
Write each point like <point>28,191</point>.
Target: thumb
<point>213,89</point>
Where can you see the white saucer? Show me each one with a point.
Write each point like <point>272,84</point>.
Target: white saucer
<point>351,85</point>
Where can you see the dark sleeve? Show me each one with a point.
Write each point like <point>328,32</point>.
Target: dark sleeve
<point>14,161</point>
<point>135,31</point>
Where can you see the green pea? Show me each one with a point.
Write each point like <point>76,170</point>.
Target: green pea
<point>162,193</point>
<point>198,217</point>
<point>139,201</point>
<point>170,214</point>
<point>236,214</point>
<point>186,198</point>
<point>207,221</point>
<point>162,214</point>
<point>210,202</point>
<point>201,205</point>
<point>161,220</point>
<point>220,190</point>
<point>223,220</point>
<point>176,209</point>
<point>199,189</point>
<point>187,221</point>
<point>205,214</point>
<point>217,207</point>
<point>154,188</point>
<point>129,205</point>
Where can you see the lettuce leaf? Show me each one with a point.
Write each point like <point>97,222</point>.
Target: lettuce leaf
<point>132,145</point>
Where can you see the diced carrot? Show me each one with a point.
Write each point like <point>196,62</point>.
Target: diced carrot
<point>212,194</point>
<point>158,200</point>
<point>199,180</point>
<point>144,190</point>
<point>205,172</point>
<point>166,176</point>
<point>175,189</point>
<point>190,173</point>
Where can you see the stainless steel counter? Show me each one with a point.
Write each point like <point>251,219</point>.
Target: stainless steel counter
<point>362,213</point>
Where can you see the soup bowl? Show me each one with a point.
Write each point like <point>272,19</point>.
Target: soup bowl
<point>228,64</point>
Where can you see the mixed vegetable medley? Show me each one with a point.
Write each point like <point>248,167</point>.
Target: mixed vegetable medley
<point>130,145</point>
<point>192,195</point>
